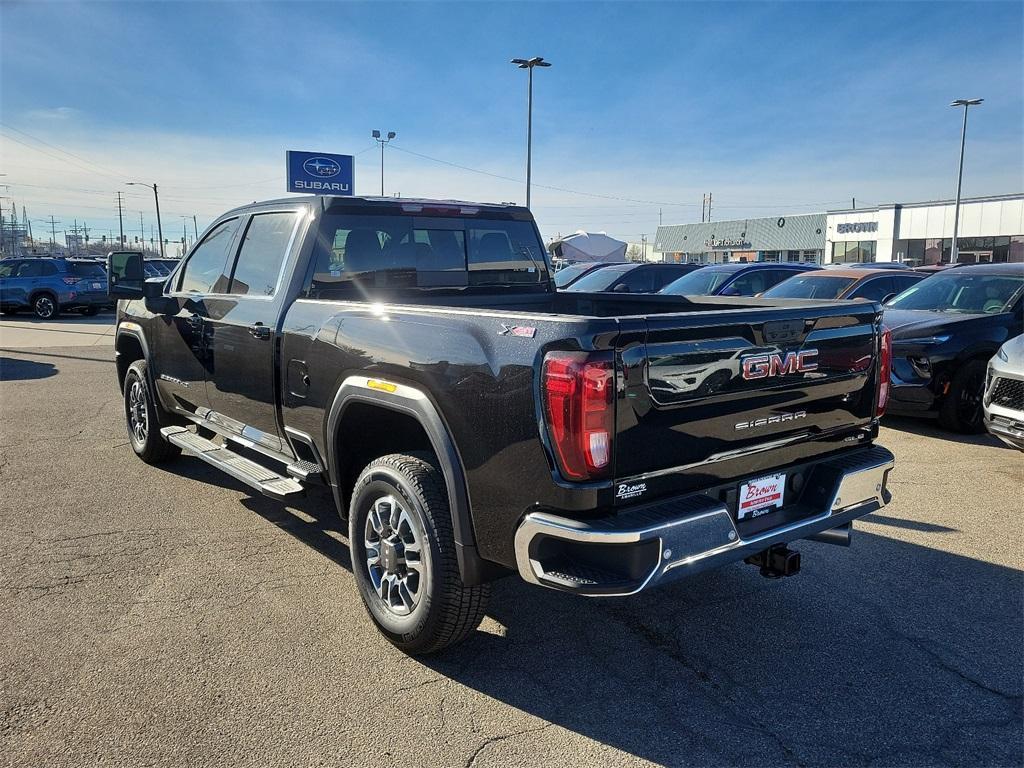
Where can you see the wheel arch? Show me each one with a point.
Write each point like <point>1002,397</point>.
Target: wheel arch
<point>129,346</point>
<point>411,415</point>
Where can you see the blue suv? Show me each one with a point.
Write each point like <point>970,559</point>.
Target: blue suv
<point>49,286</point>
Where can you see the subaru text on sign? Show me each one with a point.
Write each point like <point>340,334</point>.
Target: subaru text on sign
<point>320,173</point>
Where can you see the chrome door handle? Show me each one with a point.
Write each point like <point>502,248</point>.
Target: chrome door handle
<point>259,331</point>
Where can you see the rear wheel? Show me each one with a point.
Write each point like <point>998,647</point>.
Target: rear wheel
<point>45,306</point>
<point>403,556</point>
<point>961,410</point>
<point>141,420</point>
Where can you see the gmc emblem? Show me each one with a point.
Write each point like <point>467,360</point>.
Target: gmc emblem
<point>763,366</point>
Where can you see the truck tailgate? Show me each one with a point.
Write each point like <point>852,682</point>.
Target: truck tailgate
<point>718,395</point>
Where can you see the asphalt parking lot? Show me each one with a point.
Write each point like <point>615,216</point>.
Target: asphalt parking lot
<point>166,616</point>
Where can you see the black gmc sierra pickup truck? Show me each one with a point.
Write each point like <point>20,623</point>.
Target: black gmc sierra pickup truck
<point>472,421</point>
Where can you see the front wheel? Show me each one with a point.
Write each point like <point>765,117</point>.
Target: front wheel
<point>961,410</point>
<point>403,556</point>
<point>140,418</point>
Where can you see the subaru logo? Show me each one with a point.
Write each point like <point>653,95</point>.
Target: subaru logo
<point>323,167</point>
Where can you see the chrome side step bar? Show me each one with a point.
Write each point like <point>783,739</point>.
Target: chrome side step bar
<point>264,480</point>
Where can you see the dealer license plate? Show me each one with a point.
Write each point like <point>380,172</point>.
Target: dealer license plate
<point>761,496</point>
<point>97,286</point>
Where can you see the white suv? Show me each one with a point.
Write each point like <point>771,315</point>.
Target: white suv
<point>1004,393</point>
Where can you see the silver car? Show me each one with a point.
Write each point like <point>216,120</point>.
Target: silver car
<point>1004,393</point>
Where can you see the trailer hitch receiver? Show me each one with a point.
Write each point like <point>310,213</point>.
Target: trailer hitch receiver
<point>776,561</point>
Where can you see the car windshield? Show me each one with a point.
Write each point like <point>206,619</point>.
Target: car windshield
<point>700,282</point>
<point>809,287</point>
<point>961,291</point>
<point>87,270</point>
<point>566,275</point>
<point>599,280</point>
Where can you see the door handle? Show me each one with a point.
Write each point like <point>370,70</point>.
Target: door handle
<point>259,331</point>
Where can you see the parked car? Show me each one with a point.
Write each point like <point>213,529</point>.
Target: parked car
<point>631,278</point>
<point>473,422</point>
<point>159,267</point>
<point>871,284</point>
<point>738,279</point>
<point>874,265</point>
<point>931,269</point>
<point>49,286</point>
<point>568,275</point>
<point>944,331</point>
<point>1004,393</point>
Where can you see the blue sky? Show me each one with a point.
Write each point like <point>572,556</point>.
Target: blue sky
<point>775,108</point>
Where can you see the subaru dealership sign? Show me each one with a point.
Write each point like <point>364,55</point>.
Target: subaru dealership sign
<point>320,173</point>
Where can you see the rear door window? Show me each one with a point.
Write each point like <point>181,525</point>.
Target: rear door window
<point>262,253</point>
<point>8,268</point>
<point>639,280</point>
<point>204,272</point>
<point>32,268</point>
<point>750,283</point>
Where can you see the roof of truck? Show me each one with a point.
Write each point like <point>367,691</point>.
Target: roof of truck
<point>328,200</point>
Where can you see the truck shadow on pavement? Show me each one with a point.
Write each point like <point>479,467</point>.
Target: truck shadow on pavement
<point>886,653</point>
<point>930,428</point>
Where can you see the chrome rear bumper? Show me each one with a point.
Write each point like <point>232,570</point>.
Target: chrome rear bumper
<point>636,549</point>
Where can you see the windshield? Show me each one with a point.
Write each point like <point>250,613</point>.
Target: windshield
<point>961,291</point>
<point>807,287</point>
<point>599,280</point>
<point>566,275</point>
<point>700,282</point>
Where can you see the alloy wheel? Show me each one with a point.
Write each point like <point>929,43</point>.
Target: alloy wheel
<point>394,555</point>
<point>138,416</point>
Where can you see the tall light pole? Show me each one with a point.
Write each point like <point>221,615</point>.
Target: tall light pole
<point>954,252</point>
<point>382,142</point>
<point>156,199</point>
<point>528,65</point>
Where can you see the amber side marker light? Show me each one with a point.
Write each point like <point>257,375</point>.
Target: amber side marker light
<point>384,386</point>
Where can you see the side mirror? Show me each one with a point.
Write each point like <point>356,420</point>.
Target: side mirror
<point>621,288</point>
<point>126,278</point>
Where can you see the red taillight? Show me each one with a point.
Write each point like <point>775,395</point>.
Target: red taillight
<point>884,369</point>
<point>579,403</point>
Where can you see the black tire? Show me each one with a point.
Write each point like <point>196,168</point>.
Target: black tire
<point>45,306</point>
<point>445,611</point>
<point>961,409</point>
<point>89,311</point>
<point>139,409</point>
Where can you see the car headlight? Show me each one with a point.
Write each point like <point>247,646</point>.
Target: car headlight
<point>1001,354</point>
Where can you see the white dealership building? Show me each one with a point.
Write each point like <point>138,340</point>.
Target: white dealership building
<point>991,230</point>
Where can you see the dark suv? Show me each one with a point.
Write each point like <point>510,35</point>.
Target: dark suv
<point>630,278</point>
<point>49,286</point>
<point>736,279</point>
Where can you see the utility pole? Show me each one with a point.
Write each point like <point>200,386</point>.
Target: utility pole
<point>142,233</point>
<point>120,221</point>
<point>703,205</point>
<point>853,203</point>
<point>709,207</point>
<point>643,247</point>
<point>28,223</point>
<point>53,233</point>
<point>156,200</point>
<point>659,217</point>
<point>195,227</point>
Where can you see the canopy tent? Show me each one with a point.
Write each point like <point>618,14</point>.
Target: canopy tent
<point>588,246</point>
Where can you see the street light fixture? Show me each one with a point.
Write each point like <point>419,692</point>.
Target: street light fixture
<point>382,142</point>
<point>529,64</point>
<point>156,199</point>
<point>954,252</point>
